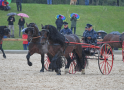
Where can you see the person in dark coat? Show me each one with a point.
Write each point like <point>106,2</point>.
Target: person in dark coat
<point>19,6</point>
<point>11,21</point>
<point>21,23</point>
<point>59,23</point>
<point>73,23</point>
<point>91,35</point>
<point>82,39</point>
<point>66,30</point>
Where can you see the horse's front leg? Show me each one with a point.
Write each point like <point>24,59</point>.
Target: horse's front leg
<point>56,62</point>
<point>2,51</point>
<point>28,59</point>
<point>42,62</point>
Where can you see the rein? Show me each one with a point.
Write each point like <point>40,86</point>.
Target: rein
<point>36,37</point>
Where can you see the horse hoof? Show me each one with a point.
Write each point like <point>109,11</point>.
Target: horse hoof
<point>4,56</point>
<point>41,70</point>
<point>30,64</point>
<point>58,73</point>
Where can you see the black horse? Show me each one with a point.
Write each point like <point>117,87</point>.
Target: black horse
<point>3,31</point>
<point>56,45</point>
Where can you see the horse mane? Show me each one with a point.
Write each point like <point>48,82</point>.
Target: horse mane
<point>54,35</point>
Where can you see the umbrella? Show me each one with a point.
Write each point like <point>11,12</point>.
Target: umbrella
<point>12,13</point>
<point>115,32</point>
<point>9,1</point>
<point>76,15</point>
<point>23,15</point>
<point>62,17</point>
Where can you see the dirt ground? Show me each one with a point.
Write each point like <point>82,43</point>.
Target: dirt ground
<point>15,74</point>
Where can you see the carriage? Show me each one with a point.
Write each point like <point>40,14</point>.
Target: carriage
<point>103,54</point>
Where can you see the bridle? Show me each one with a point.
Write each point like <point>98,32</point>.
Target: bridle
<point>32,36</point>
<point>46,38</point>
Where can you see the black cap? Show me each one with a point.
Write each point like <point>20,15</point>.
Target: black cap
<point>59,15</point>
<point>89,25</point>
<point>65,23</point>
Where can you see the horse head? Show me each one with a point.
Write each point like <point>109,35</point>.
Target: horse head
<point>44,34</point>
<point>4,31</point>
<point>32,31</point>
<point>51,34</point>
<point>7,31</point>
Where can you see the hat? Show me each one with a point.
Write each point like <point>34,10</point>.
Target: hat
<point>65,23</point>
<point>59,15</point>
<point>89,25</point>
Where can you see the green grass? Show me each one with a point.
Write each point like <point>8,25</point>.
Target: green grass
<point>107,18</point>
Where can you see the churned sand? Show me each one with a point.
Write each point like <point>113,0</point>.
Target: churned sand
<point>15,74</point>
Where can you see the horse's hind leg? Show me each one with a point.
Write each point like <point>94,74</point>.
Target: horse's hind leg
<point>42,62</point>
<point>28,61</point>
<point>2,51</point>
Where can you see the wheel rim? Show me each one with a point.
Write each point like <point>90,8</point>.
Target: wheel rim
<point>105,59</point>
<point>46,62</point>
<point>72,67</point>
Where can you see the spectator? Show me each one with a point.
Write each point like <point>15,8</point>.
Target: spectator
<point>77,2</point>
<point>86,2</point>
<point>21,23</point>
<point>19,6</point>
<point>73,23</point>
<point>10,20</point>
<point>66,30</point>
<point>49,1</point>
<point>5,5</point>
<point>59,23</point>
<point>25,43</point>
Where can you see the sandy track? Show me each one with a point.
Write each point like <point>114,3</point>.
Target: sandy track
<point>15,74</point>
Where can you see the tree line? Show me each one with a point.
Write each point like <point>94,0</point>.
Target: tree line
<point>81,2</point>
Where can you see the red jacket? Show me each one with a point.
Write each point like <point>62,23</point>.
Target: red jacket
<point>1,42</point>
<point>4,3</point>
<point>25,36</point>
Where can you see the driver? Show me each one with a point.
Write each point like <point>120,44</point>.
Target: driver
<point>90,36</point>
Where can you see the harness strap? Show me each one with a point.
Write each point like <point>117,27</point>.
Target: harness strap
<point>36,37</point>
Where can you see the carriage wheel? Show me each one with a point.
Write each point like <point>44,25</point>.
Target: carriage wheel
<point>46,62</point>
<point>123,51</point>
<point>105,59</point>
<point>72,67</point>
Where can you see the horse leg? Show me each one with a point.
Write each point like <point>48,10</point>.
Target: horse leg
<point>56,62</point>
<point>28,59</point>
<point>42,62</point>
<point>2,51</point>
<point>68,64</point>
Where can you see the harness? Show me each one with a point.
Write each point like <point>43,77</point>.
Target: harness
<point>120,39</point>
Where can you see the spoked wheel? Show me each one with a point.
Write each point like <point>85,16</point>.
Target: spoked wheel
<point>46,62</point>
<point>105,59</point>
<point>72,67</point>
